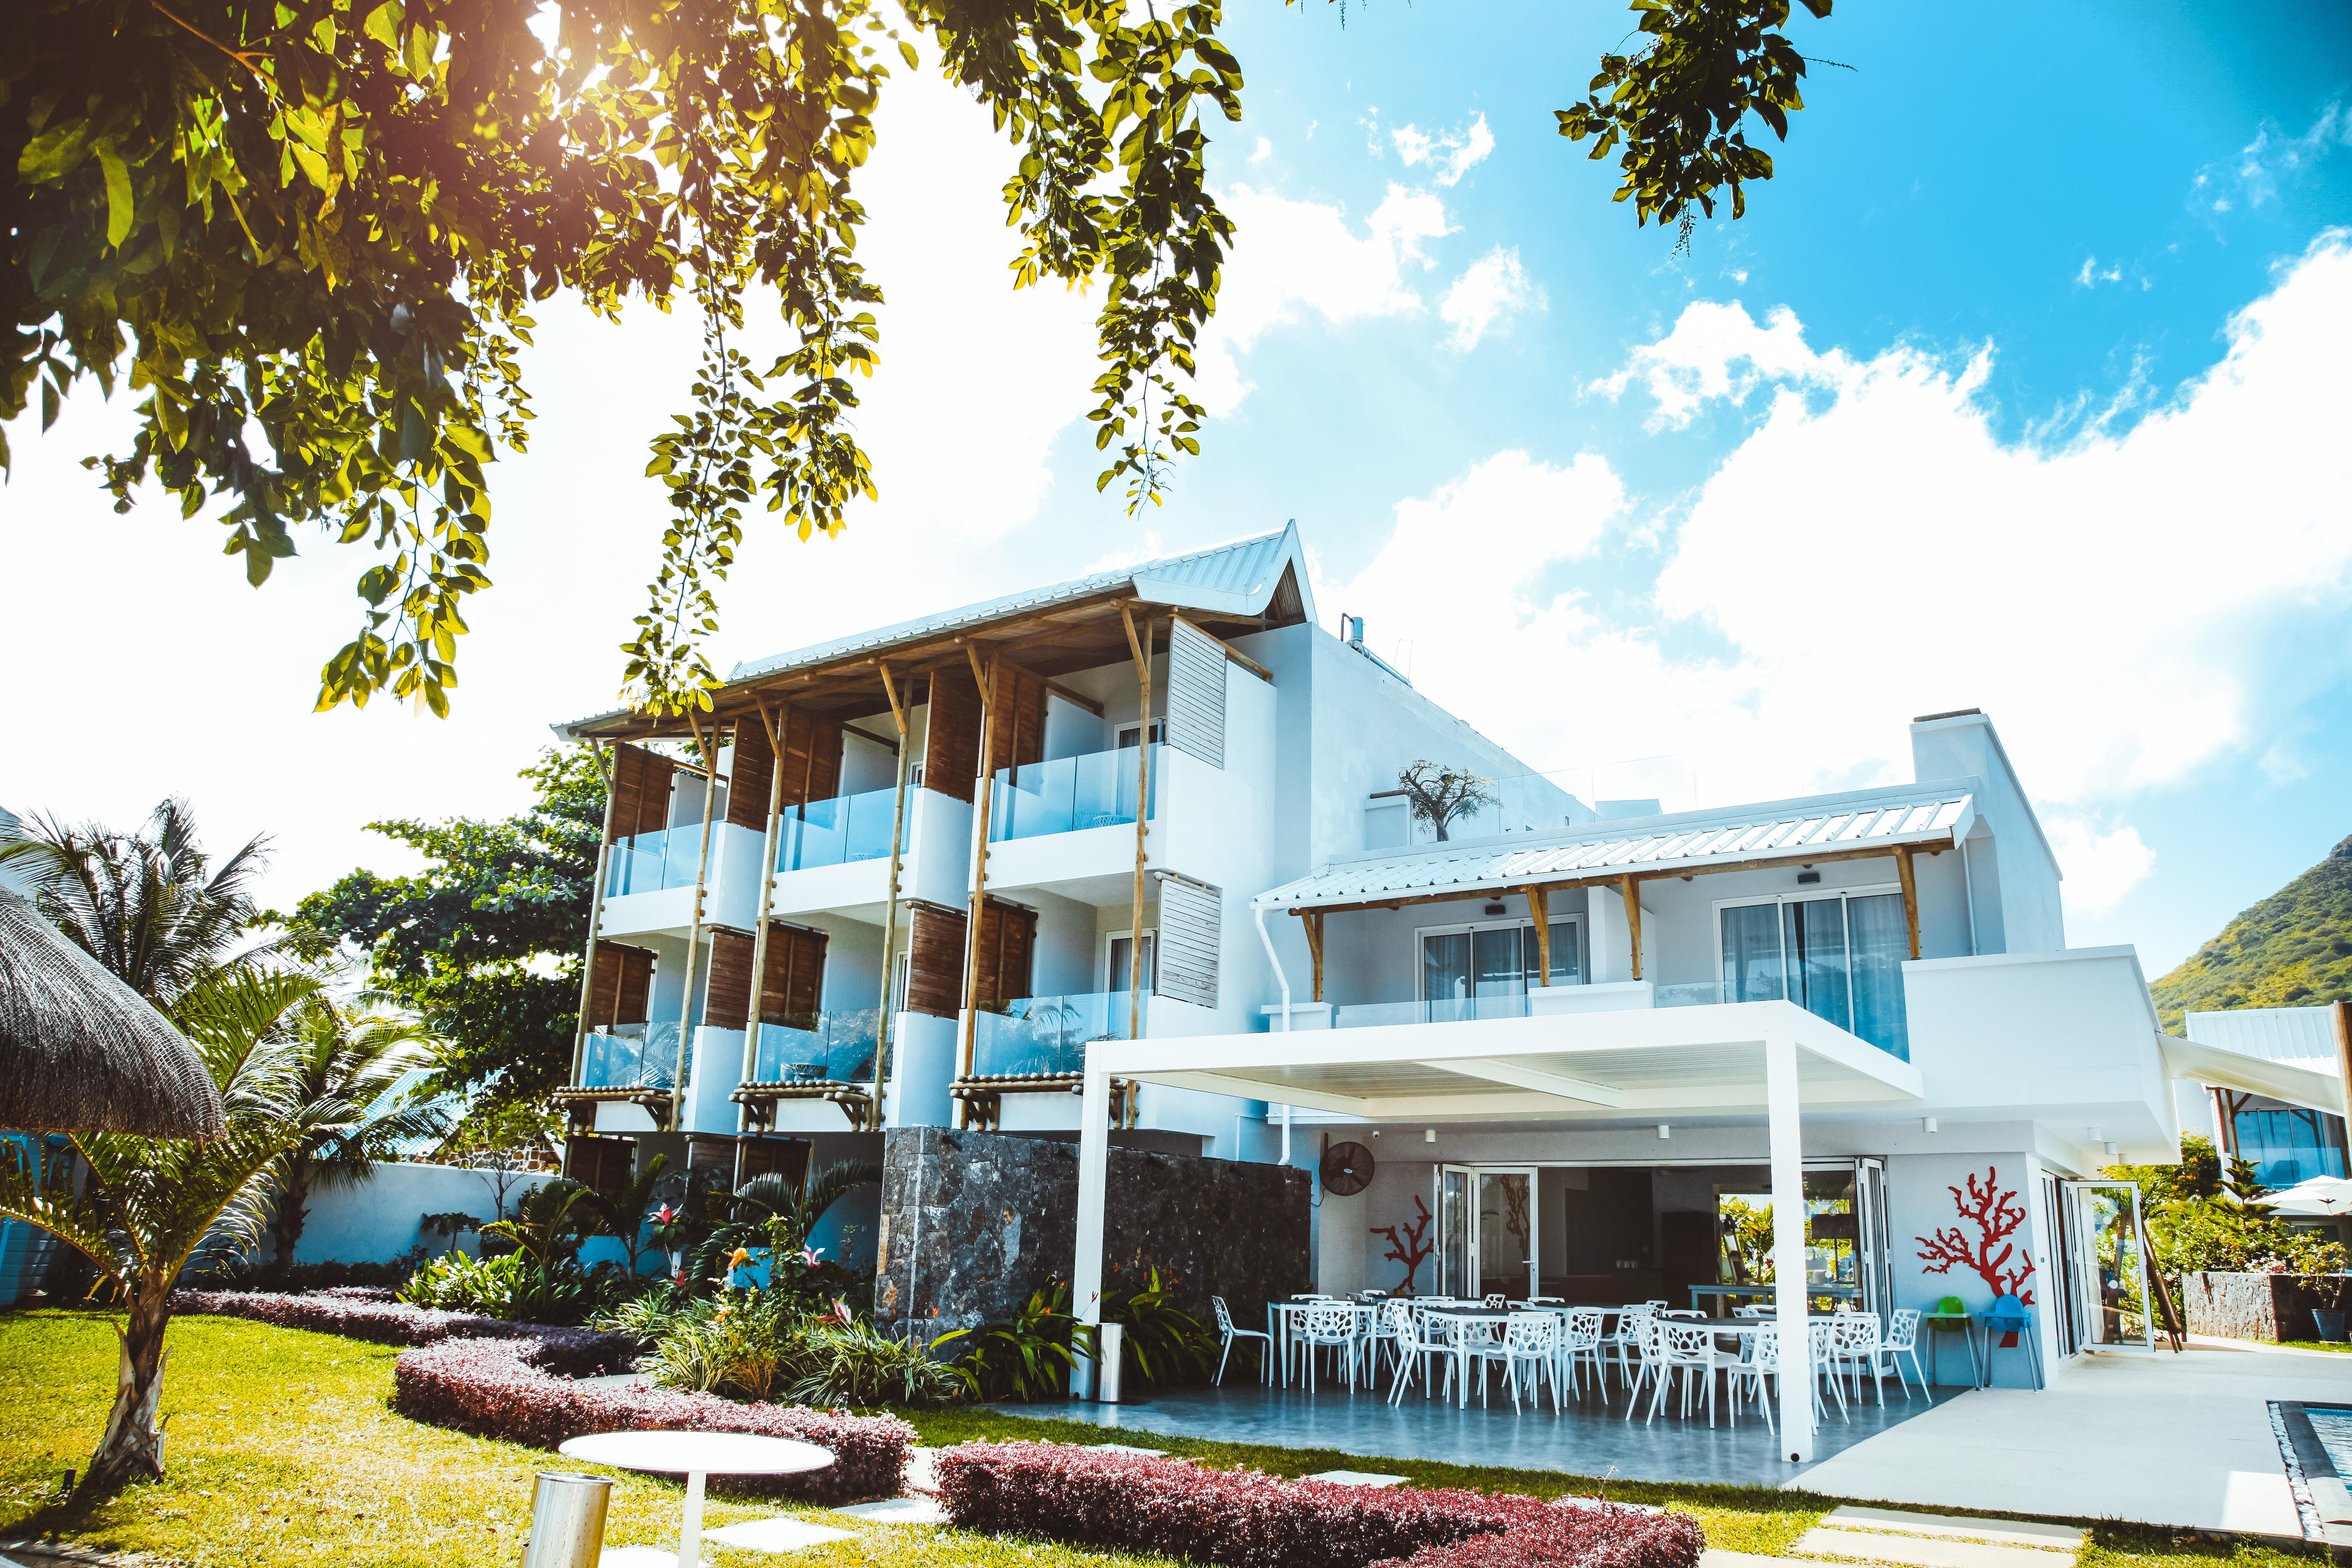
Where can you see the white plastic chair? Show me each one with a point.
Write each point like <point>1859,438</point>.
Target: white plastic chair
<point>1902,1339</point>
<point>1580,1343</point>
<point>1857,1352</point>
<point>1531,1341</point>
<point>1685,1353</point>
<point>1626,1342</point>
<point>1642,1336</point>
<point>1332,1329</point>
<point>1821,1344</point>
<point>1759,1363</point>
<point>1229,1333</point>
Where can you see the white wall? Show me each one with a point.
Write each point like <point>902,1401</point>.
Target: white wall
<point>377,1220</point>
<point>867,763</point>
<point>2025,880</point>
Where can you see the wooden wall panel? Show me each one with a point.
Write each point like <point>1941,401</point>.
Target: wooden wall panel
<point>754,769</point>
<point>935,960</point>
<point>811,762</point>
<point>1191,928</point>
<point>951,748</point>
<point>786,1157</point>
<point>604,1163</point>
<point>641,781</point>
<point>1018,724</point>
<point>1008,945</point>
<point>622,977</point>
<point>793,987</point>
<point>727,1004</point>
<point>1196,693</point>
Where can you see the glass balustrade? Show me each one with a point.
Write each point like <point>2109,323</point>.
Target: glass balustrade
<point>818,1047</point>
<point>835,832</point>
<point>631,1056</point>
<point>649,862</point>
<point>1706,994</point>
<point>1037,1036</point>
<point>1097,790</point>
<point>1456,1010</point>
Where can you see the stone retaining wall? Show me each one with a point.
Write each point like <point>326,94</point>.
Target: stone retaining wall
<point>973,1222</point>
<point>2267,1306</point>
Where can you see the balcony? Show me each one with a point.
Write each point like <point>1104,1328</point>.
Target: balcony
<point>1888,1032</point>
<point>1046,1036</point>
<point>837,832</point>
<point>651,862</point>
<point>631,1056</point>
<point>818,1049</point>
<point>1068,794</point>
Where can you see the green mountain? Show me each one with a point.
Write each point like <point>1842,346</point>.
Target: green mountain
<point>2292,949</point>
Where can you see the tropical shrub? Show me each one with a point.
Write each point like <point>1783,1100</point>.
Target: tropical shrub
<point>359,1314</point>
<point>1164,1346</point>
<point>1028,1356</point>
<point>1088,1496</point>
<point>516,1287</point>
<point>851,1362</point>
<point>232,1273</point>
<point>507,1388</point>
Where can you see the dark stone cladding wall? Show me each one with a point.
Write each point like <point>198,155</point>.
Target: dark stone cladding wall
<point>976,1222</point>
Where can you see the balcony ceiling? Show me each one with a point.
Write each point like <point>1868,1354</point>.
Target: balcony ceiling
<point>1230,590</point>
<point>1636,1065</point>
<point>1821,828</point>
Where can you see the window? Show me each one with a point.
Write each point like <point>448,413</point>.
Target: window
<point>1127,734</point>
<point>1471,963</point>
<point>1119,957</point>
<point>1837,955</point>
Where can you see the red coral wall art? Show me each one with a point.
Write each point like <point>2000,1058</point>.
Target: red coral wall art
<point>1981,1242</point>
<point>1412,1248</point>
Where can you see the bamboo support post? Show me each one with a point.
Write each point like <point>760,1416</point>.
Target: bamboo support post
<point>987,679</point>
<point>1910,879</point>
<point>890,904</point>
<point>1540,906</point>
<point>1141,648</point>
<point>774,730</point>
<point>1630,889</point>
<point>678,1077</point>
<point>1312,920</point>
<point>595,915</point>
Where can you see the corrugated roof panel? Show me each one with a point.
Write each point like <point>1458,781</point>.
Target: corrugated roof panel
<point>1784,835</point>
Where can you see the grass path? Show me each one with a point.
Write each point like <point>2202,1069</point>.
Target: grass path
<point>284,1453</point>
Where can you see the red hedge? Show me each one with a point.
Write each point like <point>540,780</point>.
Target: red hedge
<point>374,1316</point>
<point>1088,1498</point>
<point>501,1388</point>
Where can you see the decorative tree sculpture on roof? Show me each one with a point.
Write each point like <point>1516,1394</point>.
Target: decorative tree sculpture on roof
<point>1442,796</point>
<point>1412,1247</point>
<point>1990,1255</point>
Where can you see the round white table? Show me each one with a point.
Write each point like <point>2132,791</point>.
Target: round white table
<point>696,1455</point>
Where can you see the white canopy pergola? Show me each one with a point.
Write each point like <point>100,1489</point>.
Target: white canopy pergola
<point>1638,1064</point>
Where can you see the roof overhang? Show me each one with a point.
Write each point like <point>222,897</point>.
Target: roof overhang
<point>2252,1075</point>
<point>1228,591</point>
<point>1870,825</point>
<point>1636,1065</point>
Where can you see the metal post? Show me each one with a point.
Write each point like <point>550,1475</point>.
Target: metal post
<point>1786,1141</point>
<point>890,906</point>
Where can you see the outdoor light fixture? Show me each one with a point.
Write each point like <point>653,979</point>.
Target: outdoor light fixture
<point>1807,879</point>
<point>1664,1130</point>
<point>1927,1123</point>
<point>2110,1147</point>
<point>1429,1135</point>
<point>1495,908</point>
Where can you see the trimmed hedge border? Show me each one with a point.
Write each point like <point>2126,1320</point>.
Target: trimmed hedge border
<point>513,1380</point>
<point>1086,1496</point>
<point>503,1388</point>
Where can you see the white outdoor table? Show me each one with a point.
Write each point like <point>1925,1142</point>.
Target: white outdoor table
<point>1468,1316</point>
<point>696,1455</point>
<point>1278,1316</point>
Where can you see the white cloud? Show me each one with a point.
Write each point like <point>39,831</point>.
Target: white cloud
<point>1450,154</point>
<point>2092,275</point>
<point>1293,255</point>
<point>1718,352</point>
<point>1265,149</point>
<point>2100,864</point>
<point>1495,288</point>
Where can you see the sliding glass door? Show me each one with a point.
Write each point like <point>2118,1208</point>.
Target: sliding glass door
<point>1486,1231</point>
<point>1485,971</point>
<point>1838,955</point>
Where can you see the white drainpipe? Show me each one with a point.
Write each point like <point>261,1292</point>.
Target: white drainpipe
<point>1283,981</point>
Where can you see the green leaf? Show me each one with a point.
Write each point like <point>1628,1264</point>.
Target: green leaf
<point>120,205</point>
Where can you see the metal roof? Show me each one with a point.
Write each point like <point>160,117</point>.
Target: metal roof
<point>1792,830</point>
<point>1235,578</point>
<point>2298,1037</point>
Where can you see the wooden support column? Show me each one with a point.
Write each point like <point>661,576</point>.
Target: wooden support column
<point>2343,1015</point>
<point>1630,889</point>
<point>774,728</point>
<point>987,679</point>
<point>1539,906</point>
<point>1312,920</point>
<point>1141,648</point>
<point>678,1077</point>
<point>890,904</point>
<point>1910,894</point>
<point>595,916</point>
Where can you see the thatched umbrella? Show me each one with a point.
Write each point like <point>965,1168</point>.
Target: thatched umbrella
<point>82,1052</point>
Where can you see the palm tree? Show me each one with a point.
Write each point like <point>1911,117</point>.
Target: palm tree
<point>149,905</point>
<point>361,1072</point>
<point>152,1206</point>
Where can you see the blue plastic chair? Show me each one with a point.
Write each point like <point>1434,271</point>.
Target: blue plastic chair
<point>2010,1316</point>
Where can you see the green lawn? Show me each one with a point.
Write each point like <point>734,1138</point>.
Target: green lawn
<point>284,1453</point>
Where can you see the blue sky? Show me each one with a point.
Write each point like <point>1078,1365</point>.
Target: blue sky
<point>1958,415</point>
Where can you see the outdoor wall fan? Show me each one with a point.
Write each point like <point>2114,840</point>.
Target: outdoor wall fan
<point>1346,1169</point>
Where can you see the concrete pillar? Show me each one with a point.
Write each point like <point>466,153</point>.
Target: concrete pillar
<point>1094,1168</point>
<point>1788,1156</point>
